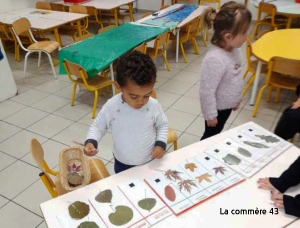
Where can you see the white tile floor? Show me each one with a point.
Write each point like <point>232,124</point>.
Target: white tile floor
<point>42,110</point>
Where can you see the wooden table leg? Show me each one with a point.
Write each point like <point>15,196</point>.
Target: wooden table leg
<point>79,28</point>
<point>289,22</point>
<point>116,16</point>
<point>57,37</point>
<point>130,5</point>
<point>162,3</point>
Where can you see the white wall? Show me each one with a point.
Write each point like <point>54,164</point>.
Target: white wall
<point>8,5</point>
<point>155,5</point>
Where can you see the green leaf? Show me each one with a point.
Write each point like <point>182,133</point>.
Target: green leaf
<point>244,152</point>
<point>231,159</point>
<point>268,138</point>
<point>78,210</point>
<point>88,225</point>
<point>121,216</point>
<point>104,196</point>
<point>147,204</point>
<point>255,144</point>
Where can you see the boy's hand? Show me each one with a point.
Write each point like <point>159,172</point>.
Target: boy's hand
<point>212,123</point>
<point>277,198</point>
<point>90,150</point>
<point>296,104</point>
<point>237,106</point>
<point>264,183</point>
<point>158,152</point>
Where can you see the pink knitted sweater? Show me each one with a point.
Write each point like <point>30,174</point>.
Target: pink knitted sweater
<point>221,81</point>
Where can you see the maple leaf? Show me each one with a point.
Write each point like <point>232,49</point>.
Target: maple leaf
<point>190,166</point>
<point>186,185</point>
<point>219,169</point>
<point>74,168</point>
<point>204,176</point>
<point>169,174</point>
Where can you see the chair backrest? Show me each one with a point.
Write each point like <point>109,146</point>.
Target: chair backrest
<point>43,5</point>
<point>146,14</point>
<point>78,9</point>
<point>162,40</point>
<point>57,7</point>
<point>21,25</point>
<point>268,9</point>
<point>105,29</point>
<point>210,1</point>
<point>285,66</point>
<point>83,37</point>
<point>194,26</point>
<point>141,48</point>
<point>4,33</point>
<point>91,10</point>
<point>75,70</point>
<point>164,7</point>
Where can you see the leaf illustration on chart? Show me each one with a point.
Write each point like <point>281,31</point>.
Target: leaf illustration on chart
<point>170,193</point>
<point>186,185</point>
<point>121,216</point>
<point>255,144</point>
<point>104,196</point>
<point>88,225</point>
<point>78,210</point>
<point>190,166</point>
<point>169,174</point>
<point>147,204</point>
<point>205,177</point>
<point>231,159</point>
<point>268,138</point>
<point>220,169</point>
<point>244,152</point>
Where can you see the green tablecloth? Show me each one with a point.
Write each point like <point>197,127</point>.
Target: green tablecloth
<point>98,52</point>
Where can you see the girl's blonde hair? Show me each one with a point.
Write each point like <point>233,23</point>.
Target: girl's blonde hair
<point>233,18</point>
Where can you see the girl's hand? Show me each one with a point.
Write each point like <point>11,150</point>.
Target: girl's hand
<point>212,123</point>
<point>90,150</point>
<point>264,183</point>
<point>158,152</point>
<point>296,104</point>
<point>277,198</point>
<point>237,106</point>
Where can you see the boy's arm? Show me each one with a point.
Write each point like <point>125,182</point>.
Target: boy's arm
<point>288,178</point>
<point>292,205</point>
<point>162,127</point>
<point>99,127</point>
<point>211,75</point>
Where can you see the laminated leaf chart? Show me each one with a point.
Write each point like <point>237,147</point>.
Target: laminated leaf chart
<point>132,204</point>
<point>80,214</point>
<point>192,181</point>
<point>248,150</point>
<point>171,18</point>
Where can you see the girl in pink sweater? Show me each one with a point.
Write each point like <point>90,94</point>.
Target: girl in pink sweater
<point>221,81</point>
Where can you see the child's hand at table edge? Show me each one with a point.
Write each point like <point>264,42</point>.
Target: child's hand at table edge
<point>237,106</point>
<point>90,150</point>
<point>264,183</point>
<point>158,152</point>
<point>277,198</point>
<point>212,123</point>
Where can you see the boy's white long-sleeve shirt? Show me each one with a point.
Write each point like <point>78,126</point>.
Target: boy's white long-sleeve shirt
<point>134,131</point>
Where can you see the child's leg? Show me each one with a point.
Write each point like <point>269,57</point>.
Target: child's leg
<point>223,116</point>
<point>288,124</point>
<point>120,167</point>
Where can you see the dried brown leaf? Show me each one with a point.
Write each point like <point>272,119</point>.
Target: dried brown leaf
<point>205,177</point>
<point>219,169</point>
<point>169,174</point>
<point>190,166</point>
<point>186,185</point>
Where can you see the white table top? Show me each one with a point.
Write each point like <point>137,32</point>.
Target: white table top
<point>192,16</point>
<point>295,224</point>
<point>289,7</point>
<point>243,196</point>
<point>41,21</point>
<point>101,4</point>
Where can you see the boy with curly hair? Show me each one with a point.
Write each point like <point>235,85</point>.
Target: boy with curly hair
<point>138,123</point>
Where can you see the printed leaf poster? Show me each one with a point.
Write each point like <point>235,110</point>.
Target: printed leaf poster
<point>192,181</point>
<point>80,214</point>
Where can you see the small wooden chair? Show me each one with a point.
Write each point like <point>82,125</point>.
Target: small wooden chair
<point>146,14</point>
<point>94,16</point>
<point>105,29</point>
<point>94,83</point>
<point>279,71</point>
<point>172,137</point>
<point>22,26</point>
<point>190,33</point>
<point>86,36</point>
<point>141,48</point>
<point>252,65</point>
<point>43,5</point>
<point>57,7</point>
<point>160,48</point>
<point>272,20</point>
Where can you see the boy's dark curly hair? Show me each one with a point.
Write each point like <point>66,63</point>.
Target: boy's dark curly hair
<point>137,67</point>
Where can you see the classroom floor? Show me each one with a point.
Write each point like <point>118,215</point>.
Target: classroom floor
<point>42,110</point>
